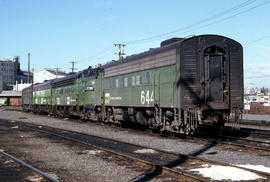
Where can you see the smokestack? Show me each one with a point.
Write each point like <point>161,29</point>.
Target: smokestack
<point>28,74</point>
<point>17,62</point>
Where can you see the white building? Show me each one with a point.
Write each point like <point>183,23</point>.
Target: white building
<point>20,86</point>
<point>47,74</point>
<point>264,100</point>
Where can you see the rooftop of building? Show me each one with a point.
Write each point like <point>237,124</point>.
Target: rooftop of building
<point>52,71</point>
<point>5,60</point>
<point>10,93</point>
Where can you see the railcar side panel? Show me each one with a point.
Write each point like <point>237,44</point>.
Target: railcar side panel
<point>42,97</point>
<point>141,89</point>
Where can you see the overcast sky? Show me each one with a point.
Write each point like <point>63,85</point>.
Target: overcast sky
<point>57,32</point>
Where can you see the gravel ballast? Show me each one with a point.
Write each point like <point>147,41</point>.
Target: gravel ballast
<point>210,152</point>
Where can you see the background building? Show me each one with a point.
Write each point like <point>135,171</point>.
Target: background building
<point>8,71</point>
<point>48,74</point>
<point>11,72</point>
<point>1,82</point>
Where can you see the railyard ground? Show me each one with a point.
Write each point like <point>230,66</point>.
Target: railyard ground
<point>75,163</point>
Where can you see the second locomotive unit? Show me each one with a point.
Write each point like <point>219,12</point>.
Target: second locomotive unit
<point>182,85</point>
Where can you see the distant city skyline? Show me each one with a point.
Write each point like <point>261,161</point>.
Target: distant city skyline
<point>59,32</point>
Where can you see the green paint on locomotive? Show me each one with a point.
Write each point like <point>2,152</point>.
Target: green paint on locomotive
<point>142,89</point>
<point>42,97</point>
<point>89,89</point>
<point>64,95</point>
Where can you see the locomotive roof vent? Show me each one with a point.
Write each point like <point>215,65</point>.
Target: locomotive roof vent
<point>170,41</point>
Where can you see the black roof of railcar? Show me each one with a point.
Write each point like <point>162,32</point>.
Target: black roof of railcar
<point>165,45</point>
<point>141,55</point>
<point>72,76</point>
<point>42,86</point>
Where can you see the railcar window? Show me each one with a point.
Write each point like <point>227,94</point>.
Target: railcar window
<point>138,80</point>
<point>126,82</point>
<point>133,80</point>
<point>116,83</point>
<point>147,77</point>
<point>109,83</point>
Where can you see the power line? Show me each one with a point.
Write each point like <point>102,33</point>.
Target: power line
<point>190,28</point>
<point>246,3</point>
<point>98,55</point>
<point>202,26</point>
<point>229,17</point>
<point>257,40</point>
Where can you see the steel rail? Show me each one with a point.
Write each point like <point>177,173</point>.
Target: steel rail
<point>29,166</point>
<point>245,129</point>
<point>234,143</point>
<point>166,169</point>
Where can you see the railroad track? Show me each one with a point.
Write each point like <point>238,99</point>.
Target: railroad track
<point>235,143</point>
<point>246,131</point>
<point>233,140</point>
<point>177,166</point>
<point>14,169</point>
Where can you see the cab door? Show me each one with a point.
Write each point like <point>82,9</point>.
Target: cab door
<point>215,83</point>
<point>215,79</point>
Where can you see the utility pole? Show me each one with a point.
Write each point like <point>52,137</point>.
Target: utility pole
<point>72,68</point>
<point>28,74</point>
<point>56,72</point>
<point>121,51</point>
<point>33,75</point>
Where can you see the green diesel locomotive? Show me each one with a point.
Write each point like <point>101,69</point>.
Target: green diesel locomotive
<point>182,85</point>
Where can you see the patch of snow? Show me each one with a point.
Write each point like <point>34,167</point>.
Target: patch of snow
<point>256,167</point>
<point>35,178</point>
<point>145,151</point>
<point>92,152</point>
<point>216,172</point>
<point>53,175</point>
<point>8,161</point>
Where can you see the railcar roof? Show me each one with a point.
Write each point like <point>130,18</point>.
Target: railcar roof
<point>160,49</point>
<point>146,53</point>
<point>43,83</point>
<point>66,77</point>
